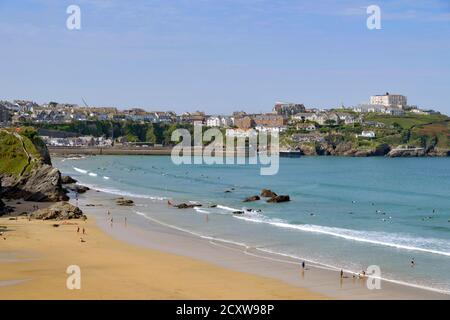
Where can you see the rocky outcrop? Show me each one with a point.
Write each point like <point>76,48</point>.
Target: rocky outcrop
<point>4,209</point>
<point>59,211</point>
<point>406,152</point>
<point>308,149</point>
<point>251,199</point>
<point>78,188</point>
<point>339,147</point>
<point>266,193</point>
<point>280,198</point>
<point>25,168</point>
<point>124,202</point>
<point>68,180</point>
<point>186,205</point>
<point>438,152</point>
<point>41,184</point>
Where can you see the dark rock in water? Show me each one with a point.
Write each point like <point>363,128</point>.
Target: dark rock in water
<point>79,189</point>
<point>227,191</point>
<point>59,211</point>
<point>213,206</point>
<point>238,212</point>
<point>266,193</point>
<point>252,198</point>
<point>281,198</point>
<point>68,180</point>
<point>124,202</point>
<point>187,206</point>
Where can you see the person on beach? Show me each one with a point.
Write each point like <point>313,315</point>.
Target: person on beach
<point>303,265</point>
<point>342,274</point>
<point>78,229</point>
<point>112,221</point>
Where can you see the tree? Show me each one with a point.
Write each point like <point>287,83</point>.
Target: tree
<point>150,135</point>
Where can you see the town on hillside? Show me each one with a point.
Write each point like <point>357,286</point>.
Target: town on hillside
<point>386,121</point>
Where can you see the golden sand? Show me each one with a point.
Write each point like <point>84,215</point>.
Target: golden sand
<point>39,253</point>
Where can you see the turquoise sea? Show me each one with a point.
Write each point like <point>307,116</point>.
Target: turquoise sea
<point>345,213</point>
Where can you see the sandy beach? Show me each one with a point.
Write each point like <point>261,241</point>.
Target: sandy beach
<point>127,262</point>
<point>35,255</point>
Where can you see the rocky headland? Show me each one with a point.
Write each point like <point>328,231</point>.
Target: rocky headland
<point>26,170</point>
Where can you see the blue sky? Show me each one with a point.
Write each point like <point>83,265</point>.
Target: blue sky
<point>225,55</point>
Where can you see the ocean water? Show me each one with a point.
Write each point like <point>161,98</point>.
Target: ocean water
<point>344,213</point>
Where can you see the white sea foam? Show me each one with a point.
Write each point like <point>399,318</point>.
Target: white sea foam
<point>106,178</point>
<point>246,247</point>
<point>92,174</point>
<point>201,210</point>
<point>226,208</point>
<point>80,170</point>
<point>399,241</point>
<point>123,193</point>
<point>321,265</point>
<point>191,232</point>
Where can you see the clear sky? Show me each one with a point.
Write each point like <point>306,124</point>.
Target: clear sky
<point>224,55</point>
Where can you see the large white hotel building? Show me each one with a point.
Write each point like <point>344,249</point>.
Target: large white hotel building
<point>389,100</point>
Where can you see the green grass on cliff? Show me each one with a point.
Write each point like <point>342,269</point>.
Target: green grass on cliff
<point>13,158</point>
<point>407,121</point>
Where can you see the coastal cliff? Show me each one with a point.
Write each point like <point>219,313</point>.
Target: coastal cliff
<point>25,168</point>
<point>348,149</point>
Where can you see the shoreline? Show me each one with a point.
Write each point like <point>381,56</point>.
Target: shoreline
<point>322,279</point>
<point>281,276</point>
<point>36,254</point>
<point>166,151</point>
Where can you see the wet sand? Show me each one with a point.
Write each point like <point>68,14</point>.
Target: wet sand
<point>316,278</point>
<point>36,254</point>
<point>126,261</point>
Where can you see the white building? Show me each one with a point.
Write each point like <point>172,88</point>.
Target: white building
<point>366,134</point>
<point>219,121</point>
<point>270,130</point>
<point>306,126</point>
<point>213,122</point>
<point>240,133</point>
<point>226,121</point>
<point>378,108</point>
<point>389,100</point>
